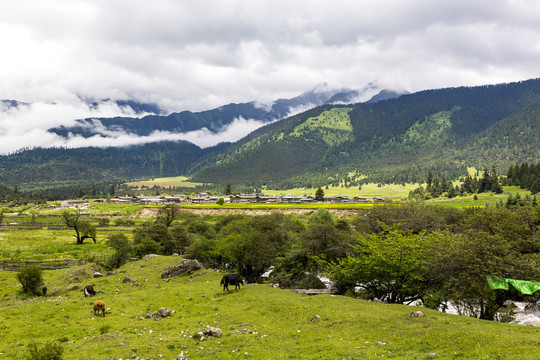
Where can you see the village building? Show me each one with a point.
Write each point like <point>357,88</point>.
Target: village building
<point>73,203</point>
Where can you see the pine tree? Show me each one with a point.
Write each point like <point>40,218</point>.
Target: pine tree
<point>319,194</point>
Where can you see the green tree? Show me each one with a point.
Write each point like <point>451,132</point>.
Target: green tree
<point>31,280</point>
<point>180,239</point>
<point>388,265</point>
<point>253,244</point>
<point>228,189</point>
<point>122,249</point>
<point>319,194</point>
<point>326,238</point>
<point>83,229</point>
<point>168,214</point>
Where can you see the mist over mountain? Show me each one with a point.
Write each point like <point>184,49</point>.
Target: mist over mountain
<point>235,120</point>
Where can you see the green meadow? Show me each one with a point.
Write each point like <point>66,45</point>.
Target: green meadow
<point>257,321</point>
<point>165,182</point>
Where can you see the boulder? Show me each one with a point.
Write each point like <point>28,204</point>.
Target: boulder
<point>164,312</point>
<point>149,256</point>
<point>126,279</point>
<point>179,269</point>
<point>417,314</point>
<point>161,313</point>
<point>532,308</point>
<point>212,331</point>
<point>97,274</point>
<point>182,356</point>
<point>209,331</point>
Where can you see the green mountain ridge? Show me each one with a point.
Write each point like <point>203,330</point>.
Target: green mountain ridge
<point>393,141</point>
<point>396,140</point>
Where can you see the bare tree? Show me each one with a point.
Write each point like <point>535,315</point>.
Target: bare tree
<point>83,229</point>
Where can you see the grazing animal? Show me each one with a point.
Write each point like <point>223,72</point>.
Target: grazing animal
<point>89,291</point>
<point>232,279</point>
<point>44,291</point>
<point>99,306</point>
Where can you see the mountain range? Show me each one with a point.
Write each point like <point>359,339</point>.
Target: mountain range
<point>387,139</point>
<point>216,120</point>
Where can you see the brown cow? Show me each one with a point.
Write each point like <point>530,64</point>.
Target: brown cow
<point>99,306</point>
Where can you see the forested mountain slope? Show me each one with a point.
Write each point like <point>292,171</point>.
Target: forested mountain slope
<point>98,164</point>
<point>396,140</point>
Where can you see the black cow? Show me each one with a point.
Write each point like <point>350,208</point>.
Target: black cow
<point>232,279</point>
<point>89,291</point>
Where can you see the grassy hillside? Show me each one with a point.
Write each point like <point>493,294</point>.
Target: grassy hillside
<point>258,322</point>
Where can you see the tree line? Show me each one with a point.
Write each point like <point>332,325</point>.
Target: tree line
<point>395,253</point>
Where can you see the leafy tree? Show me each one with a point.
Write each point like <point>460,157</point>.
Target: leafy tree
<point>122,249</point>
<point>319,194</point>
<point>228,189</point>
<point>146,246</point>
<point>31,280</point>
<point>253,244</point>
<point>388,265</point>
<point>83,229</point>
<point>168,214</point>
<point>326,238</point>
<point>457,268</point>
<point>179,240</point>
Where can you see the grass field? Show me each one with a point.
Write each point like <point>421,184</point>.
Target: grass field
<point>258,322</point>
<point>166,182</point>
<point>393,192</point>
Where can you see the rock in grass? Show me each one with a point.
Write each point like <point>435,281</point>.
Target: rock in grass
<point>209,331</point>
<point>161,313</point>
<point>417,314</point>
<point>182,268</point>
<point>182,356</point>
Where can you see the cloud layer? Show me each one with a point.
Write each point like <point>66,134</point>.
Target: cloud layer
<point>187,55</point>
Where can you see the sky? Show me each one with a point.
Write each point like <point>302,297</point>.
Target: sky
<point>199,55</point>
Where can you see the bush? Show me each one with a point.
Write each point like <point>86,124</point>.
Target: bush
<point>104,221</point>
<point>49,351</point>
<point>147,246</point>
<point>31,279</point>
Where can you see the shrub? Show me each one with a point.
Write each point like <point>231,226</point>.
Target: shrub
<point>104,221</point>
<point>147,246</point>
<point>31,279</point>
<point>49,351</point>
<point>104,329</point>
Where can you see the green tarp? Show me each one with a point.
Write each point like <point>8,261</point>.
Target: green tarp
<point>523,286</point>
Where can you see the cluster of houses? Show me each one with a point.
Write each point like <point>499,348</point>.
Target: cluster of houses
<point>204,198</point>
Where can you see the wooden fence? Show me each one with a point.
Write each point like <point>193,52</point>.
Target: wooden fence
<point>44,265</point>
<point>56,227</point>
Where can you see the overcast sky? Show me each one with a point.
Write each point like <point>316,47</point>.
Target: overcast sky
<point>197,55</point>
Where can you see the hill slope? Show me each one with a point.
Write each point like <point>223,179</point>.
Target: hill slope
<point>258,322</point>
<point>88,165</point>
<point>393,140</point>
